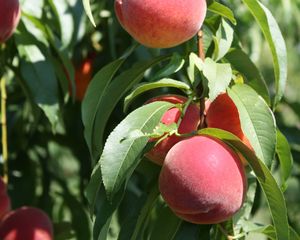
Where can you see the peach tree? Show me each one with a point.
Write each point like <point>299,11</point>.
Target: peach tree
<point>132,198</point>
<point>149,119</point>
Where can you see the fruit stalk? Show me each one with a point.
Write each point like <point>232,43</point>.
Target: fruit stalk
<point>201,55</point>
<point>4,129</point>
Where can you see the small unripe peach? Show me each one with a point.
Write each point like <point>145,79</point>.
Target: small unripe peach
<point>4,199</point>
<point>203,180</point>
<point>26,223</point>
<point>160,23</point>
<point>9,18</point>
<point>188,124</point>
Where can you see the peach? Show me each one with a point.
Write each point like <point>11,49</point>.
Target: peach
<point>83,76</point>
<point>4,199</point>
<point>203,180</point>
<point>223,114</point>
<point>161,24</point>
<point>188,124</point>
<point>9,18</point>
<point>26,223</point>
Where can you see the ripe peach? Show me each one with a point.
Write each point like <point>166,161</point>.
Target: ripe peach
<point>9,18</point>
<point>223,114</point>
<point>83,76</point>
<point>26,223</point>
<point>189,124</point>
<point>161,24</point>
<point>202,180</point>
<point>4,199</point>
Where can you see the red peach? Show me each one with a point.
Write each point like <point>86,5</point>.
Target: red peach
<point>9,18</point>
<point>83,76</point>
<point>161,24</point>
<point>4,199</point>
<point>26,223</point>
<point>203,180</point>
<point>188,124</point>
<point>223,114</point>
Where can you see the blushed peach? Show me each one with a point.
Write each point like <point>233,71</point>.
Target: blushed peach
<point>9,18</point>
<point>4,199</point>
<point>188,124</point>
<point>26,223</point>
<point>161,24</point>
<point>203,180</point>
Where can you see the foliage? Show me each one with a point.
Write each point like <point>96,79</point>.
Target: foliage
<point>83,162</point>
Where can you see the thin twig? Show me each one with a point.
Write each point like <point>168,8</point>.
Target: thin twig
<point>4,129</point>
<point>201,52</point>
<point>201,55</point>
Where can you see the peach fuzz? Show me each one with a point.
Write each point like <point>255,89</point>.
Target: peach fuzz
<point>161,24</point>
<point>188,124</point>
<point>223,114</point>
<point>9,18</point>
<point>4,199</point>
<point>26,223</point>
<point>203,180</point>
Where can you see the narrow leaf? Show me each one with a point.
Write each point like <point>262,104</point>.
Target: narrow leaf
<point>223,40</point>
<point>274,195</point>
<point>120,157</point>
<point>241,62</point>
<point>93,97</point>
<point>175,64</point>
<point>285,157</point>
<point>88,11</point>
<point>276,42</point>
<point>166,82</point>
<point>219,76</point>
<point>112,95</point>
<point>257,121</point>
<point>223,11</point>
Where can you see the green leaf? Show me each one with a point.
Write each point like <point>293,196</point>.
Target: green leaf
<point>145,212</point>
<point>242,63</point>
<point>166,82</point>
<point>219,229</point>
<point>285,157</point>
<point>195,65</point>
<point>39,75</point>
<point>219,76</point>
<point>274,195</point>
<point>66,21</point>
<point>35,9</point>
<point>223,40</point>
<point>112,95</point>
<point>257,121</point>
<point>160,215</point>
<point>120,157</point>
<point>245,212</point>
<point>222,10</point>
<point>276,42</point>
<point>81,222</point>
<point>193,232</point>
<point>93,98</point>
<point>104,211</point>
<point>88,11</point>
<point>176,63</point>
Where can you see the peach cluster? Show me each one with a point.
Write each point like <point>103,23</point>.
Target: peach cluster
<point>202,179</point>
<point>23,223</point>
